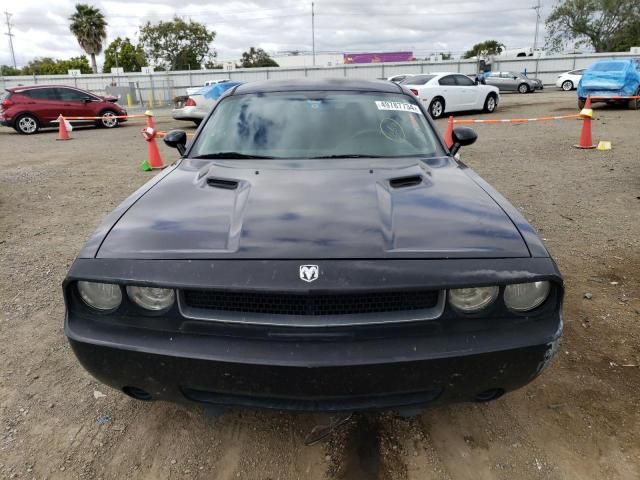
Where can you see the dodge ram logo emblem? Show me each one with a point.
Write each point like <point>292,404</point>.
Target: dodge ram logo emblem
<point>308,273</point>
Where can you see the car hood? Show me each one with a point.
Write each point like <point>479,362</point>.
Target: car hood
<point>315,209</point>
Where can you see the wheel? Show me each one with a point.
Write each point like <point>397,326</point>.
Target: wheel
<point>581,102</point>
<point>523,88</point>
<point>567,85</point>
<point>436,108</point>
<point>108,119</point>
<point>27,124</point>
<point>490,103</point>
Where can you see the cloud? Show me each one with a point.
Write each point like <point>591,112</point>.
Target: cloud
<point>41,27</point>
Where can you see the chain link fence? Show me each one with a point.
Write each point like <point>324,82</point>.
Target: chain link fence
<point>160,88</point>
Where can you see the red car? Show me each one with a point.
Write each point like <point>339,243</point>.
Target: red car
<point>27,109</point>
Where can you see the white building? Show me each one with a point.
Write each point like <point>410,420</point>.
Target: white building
<point>305,59</point>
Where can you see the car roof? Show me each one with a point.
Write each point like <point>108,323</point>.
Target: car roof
<point>328,84</point>
<point>20,88</point>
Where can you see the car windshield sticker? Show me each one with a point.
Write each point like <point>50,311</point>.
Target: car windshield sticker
<point>398,106</point>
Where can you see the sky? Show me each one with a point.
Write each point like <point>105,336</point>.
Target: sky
<point>41,27</point>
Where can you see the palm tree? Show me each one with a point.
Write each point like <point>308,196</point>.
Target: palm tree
<point>90,29</point>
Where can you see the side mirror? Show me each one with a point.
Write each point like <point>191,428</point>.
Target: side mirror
<point>87,99</point>
<point>462,136</point>
<point>176,139</point>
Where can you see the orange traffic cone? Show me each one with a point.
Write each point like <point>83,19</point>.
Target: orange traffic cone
<point>62,129</point>
<point>154,160</point>
<point>586,113</point>
<point>448,134</point>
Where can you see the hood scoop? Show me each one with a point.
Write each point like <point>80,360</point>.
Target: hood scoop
<point>404,182</point>
<point>224,183</point>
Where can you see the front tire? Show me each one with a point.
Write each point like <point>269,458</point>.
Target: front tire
<point>108,119</point>
<point>27,124</point>
<point>490,103</point>
<point>567,85</point>
<point>523,88</point>
<point>436,108</point>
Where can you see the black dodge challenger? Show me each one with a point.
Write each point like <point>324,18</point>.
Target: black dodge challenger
<point>316,248</point>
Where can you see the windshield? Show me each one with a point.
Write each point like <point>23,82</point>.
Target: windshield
<point>316,125</point>
<point>609,67</point>
<point>417,80</point>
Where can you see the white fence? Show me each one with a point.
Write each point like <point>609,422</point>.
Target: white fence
<point>164,86</point>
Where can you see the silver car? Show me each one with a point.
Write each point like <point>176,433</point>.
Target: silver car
<point>512,81</point>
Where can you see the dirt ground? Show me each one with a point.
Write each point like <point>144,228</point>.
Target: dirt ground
<point>579,420</point>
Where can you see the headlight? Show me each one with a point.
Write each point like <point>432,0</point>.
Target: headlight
<point>151,298</point>
<point>523,297</point>
<point>101,296</point>
<point>472,299</point>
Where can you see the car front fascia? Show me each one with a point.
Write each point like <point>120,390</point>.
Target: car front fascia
<point>492,335</point>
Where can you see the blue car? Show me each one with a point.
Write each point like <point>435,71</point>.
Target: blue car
<point>607,80</point>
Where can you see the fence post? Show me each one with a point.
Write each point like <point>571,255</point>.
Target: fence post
<point>458,65</point>
<point>153,90</point>
<point>190,80</point>
<point>383,75</point>
<point>537,60</point>
<point>35,79</point>
<point>345,70</point>
<point>267,72</point>
<point>574,63</point>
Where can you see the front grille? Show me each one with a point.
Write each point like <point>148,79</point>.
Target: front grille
<point>311,304</point>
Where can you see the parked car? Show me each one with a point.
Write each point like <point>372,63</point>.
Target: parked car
<point>208,83</point>
<point>196,106</point>
<point>316,248</point>
<point>28,109</point>
<point>512,82</point>
<point>447,92</point>
<point>611,78</point>
<point>399,78</point>
<point>569,80</point>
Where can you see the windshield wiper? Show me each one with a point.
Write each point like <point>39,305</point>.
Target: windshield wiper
<point>230,155</point>
<point>349,156</point>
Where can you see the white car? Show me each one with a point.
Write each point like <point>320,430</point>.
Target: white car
<point>569,80</point>
<point>447,92</point>
<point>192,90</point>
<point>196,106</point>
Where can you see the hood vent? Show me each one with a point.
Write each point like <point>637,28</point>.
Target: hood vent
<point>222,183</point>
<point>404,182</point>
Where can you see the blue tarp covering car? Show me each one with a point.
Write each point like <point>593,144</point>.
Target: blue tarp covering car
<point>213,92</point>
<point>610,78</point>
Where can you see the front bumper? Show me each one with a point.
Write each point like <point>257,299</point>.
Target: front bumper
<point>398,384</point>
<point>400,365</point>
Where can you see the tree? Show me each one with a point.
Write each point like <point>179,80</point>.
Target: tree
<point>257,57</point>
<point>9,71</point>
<point>50,66</point>
<point>90,29</point>
<point>122,53</point>
<point>486,48</point>
<point>177,44</point>
<point>605,25</point>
